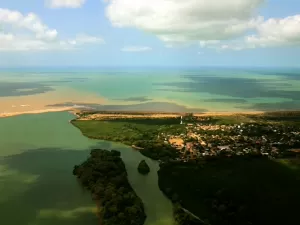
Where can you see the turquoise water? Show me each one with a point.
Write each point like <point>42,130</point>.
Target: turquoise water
<point>38,152</point>
<point>37,155</point>
<point>210,89</point>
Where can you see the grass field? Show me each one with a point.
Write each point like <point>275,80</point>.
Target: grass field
<point>128,130</point>
<point>286,118</point>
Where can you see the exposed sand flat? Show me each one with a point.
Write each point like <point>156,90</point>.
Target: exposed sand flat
<point>36,111</point>
<point>16,105</point>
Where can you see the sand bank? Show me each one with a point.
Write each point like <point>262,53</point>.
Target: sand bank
<point>36,111</point>
<point>41,103</point>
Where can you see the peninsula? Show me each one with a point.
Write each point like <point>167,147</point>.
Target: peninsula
<point>217,169</point>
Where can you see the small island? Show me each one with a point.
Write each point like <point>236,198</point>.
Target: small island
<point>104,174</point>
<point>143,167</point>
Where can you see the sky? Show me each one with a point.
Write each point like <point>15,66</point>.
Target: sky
<point>141,33</point>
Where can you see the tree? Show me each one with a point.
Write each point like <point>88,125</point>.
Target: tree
<point>143,167</point>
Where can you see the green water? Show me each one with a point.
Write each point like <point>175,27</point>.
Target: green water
<point>211,89</point>
<point>37,155</point>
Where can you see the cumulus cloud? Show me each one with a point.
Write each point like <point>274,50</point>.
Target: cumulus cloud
<point>176,21</point>
<point>15,20</point>
<point>27,32</point>
<point>64,3</point>
<point>136,49</point>
<point>276,32</point>
<point>215,24</point>
<point>270,33</point>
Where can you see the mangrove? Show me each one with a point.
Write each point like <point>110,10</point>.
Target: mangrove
<point>233,191</point>
<point>105,176</point>
<point>143,167</point>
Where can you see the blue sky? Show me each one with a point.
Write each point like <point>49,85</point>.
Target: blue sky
<point>149,33</point>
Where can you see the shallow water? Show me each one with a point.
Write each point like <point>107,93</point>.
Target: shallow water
<point>212,89</point>
<point>37,155</point>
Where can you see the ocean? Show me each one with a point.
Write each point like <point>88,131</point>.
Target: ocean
<point>151,89</point>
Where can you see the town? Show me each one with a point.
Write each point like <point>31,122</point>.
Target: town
<point>194,136</point>
<point>246,165</point>
<point>203,139</point>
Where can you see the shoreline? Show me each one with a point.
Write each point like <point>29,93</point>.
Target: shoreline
<point>133,114</point>
<point>60,109</point>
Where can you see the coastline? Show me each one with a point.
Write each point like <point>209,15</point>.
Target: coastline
<point>60,109</point>
<point>102,115</point>
<point>129,114</point>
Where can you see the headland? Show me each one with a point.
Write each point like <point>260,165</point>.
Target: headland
<point>211,163</point>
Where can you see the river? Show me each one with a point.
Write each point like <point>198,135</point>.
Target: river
<point>37,155</point>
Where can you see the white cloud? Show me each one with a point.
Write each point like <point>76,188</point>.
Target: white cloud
<point>175,21</point>
<point>214,24</point>
<point>270,33</point>
<point>28,33</point>
<point>276,32</point>
<point>136,49</point>
<point>14,20</point>
<point>64,3</point>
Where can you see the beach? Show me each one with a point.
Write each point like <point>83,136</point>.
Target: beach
<point>118,114</point>
<point>36,111</point>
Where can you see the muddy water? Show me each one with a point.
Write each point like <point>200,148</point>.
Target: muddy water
<point>37,155</point>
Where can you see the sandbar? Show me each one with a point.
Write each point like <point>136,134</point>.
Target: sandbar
<point>36,111</point>
<point>41,103</point>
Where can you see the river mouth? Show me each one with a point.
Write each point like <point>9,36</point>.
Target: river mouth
<point>37,156</point>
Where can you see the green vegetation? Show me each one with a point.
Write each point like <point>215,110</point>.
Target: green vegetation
<point>104,174</point>
<point>183,218</point>
<point>142,133</point>
<point>235,191</point>
<point>284,117</point>
<point>143,167</point>
<point>92,112</point>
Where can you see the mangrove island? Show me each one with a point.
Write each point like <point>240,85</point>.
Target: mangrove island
<point>143,167</point>
<point>104,174</point>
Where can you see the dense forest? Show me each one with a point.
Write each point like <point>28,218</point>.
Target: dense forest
<point>183,218</point>
<point>104,174</point>
<point>234,191</point>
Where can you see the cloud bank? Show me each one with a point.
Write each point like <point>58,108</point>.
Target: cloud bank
<point>28,33</point>
<point>216,24</point>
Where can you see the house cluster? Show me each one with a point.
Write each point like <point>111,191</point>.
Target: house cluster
<point>211,140</point>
